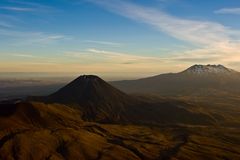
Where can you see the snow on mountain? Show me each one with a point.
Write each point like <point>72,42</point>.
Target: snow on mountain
<point>208,69</point>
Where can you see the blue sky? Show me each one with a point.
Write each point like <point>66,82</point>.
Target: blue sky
<point>117,36</point>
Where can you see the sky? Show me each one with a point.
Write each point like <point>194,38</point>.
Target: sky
<point>130,38</point>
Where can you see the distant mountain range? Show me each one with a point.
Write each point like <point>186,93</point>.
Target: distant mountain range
<point>198,79</point>
<point>99,101</point>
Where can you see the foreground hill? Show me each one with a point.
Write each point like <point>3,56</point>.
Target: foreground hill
<point>30,130</point>
<point>196,80</point>
<point>100,102</point>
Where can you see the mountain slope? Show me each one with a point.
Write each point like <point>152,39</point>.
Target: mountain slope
<point>198,79</point>
<point>51,131</point>
<point>96,99</point>
<point>100,102</point>
<point>30,130</point>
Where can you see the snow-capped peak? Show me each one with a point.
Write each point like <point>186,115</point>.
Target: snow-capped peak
<point>208,69</point>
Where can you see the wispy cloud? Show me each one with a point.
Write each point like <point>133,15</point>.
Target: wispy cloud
<point>23,6</point>
<point>104,43</point>
<point>95,60</point>
<point>5,24</point>
<point>216,42</point>
<point>204,55</point>
<point>228,11</point>
<point>199,32</point>
<point>7,21</point>
<point>103,60</point>
<point>26,3</point>
<point>104,56</point>
<point>10,24</point>
<point>17,9</point>
<point>24,55</point>
<point>29,38</point>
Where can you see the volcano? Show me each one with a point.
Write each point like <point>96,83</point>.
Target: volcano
<point>96,99</point>
<point>196,80</point>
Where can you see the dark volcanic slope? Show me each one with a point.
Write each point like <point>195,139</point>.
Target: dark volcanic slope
<point>198,79</point>
<point>88,89</point>
<point>99,101</point>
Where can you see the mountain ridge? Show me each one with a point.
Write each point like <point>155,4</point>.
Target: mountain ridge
<point>189,81</point>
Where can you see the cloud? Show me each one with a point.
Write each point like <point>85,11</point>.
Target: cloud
<point>29,38</point>
<point>97,61</point>
<point>193,31</point>
<point>214,41</point>
<point>89,61</point>
<point>167,1</point>
<point>216,44</point>
<point>5,24</point>
<point>18,9</point>
<point>9,26</point>
<point>228,11</point>
<point>118,56</point>
<point>24,55</point>
<point>102,56</point>
<point>30,56</point>
<point>104,43</point>
<point>7,21</point>
<point>22,6</point>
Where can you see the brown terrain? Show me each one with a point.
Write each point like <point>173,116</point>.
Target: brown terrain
<point>89,119</point>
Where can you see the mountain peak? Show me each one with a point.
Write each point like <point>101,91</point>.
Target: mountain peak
<point>86,80</point>
<point>91,77</point>
<point>94,96</point>
<point>86,88</point>
<point>208,69</point>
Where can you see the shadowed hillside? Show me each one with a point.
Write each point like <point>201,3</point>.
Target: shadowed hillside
<point>56,132</point>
